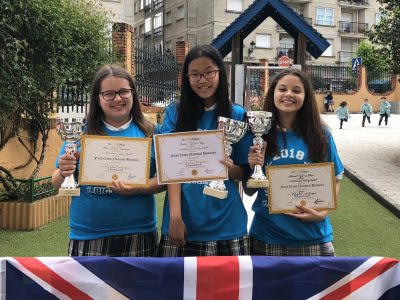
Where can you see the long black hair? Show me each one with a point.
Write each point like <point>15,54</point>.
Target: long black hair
<point>308,123</point>
<point>190,106</point>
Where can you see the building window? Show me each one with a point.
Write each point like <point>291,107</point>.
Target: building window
<point>135,7</point>
<point>168,19</point>
<point>180,13</point>
<point>147,25</point>
<point>329,50</point>
<point>324,16</point>
<point>157,20</point>
<point>263,40</point>
<point>141,4</point>
<point>234,5</point>
<point>378,17</point>
<point>141,29</point>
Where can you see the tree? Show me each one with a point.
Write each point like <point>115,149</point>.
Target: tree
<point>385,33</point>
<point>43,44</point>
<point>373,59</point>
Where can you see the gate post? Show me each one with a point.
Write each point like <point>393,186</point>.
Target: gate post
<point>181,49</point>
<point>123,44</point>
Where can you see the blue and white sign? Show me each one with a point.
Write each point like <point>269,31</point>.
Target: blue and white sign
<point>355,62</point>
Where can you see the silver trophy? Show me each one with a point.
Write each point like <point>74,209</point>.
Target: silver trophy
<point>260,123</point>
<point>70,130</point>
<point>233,131</point>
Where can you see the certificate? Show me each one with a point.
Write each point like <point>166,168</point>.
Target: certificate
<point>190,156</point>
<point>311,185</point>
<point>105,158</point>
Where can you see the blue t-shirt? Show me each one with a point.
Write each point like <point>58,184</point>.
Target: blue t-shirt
<point>208,218</point>
<point>280,229</point>
<point>99,212</point>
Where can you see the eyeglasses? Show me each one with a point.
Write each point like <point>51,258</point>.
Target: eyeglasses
<point>206,75</point>
<point>110,95</point>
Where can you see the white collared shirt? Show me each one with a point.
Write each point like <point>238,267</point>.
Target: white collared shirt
<point>123,127</point>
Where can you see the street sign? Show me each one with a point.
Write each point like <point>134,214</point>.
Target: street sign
<point>355,62</point>
<point>284,61</point>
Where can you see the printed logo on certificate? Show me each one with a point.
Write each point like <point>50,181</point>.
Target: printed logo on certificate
<point>106,158</point>
<point>311,185</point>
<point>190,156</point>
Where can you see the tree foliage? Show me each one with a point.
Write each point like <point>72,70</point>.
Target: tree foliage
<point>44,44</point>
<point>386,32</point>
<point>373,59</point>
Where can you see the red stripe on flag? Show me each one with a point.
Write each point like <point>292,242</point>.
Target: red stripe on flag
<point>53,279</point>
<point>217,278</point>
<point>379,268</point>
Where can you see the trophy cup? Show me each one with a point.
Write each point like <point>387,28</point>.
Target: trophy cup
<point>233,131</point>
<point>70,130</point>
<point>260,123</point>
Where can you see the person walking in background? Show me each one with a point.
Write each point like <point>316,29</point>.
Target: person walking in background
<point>366,110</point>
<point>117,220</point>
<point>195,224</point>
<point>328,100</point>
<point>331,104</point>
<point>297,136</point>
<point>342,113</point>
<point>384,111</point>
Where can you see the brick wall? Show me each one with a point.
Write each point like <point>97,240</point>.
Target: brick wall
<point>123,43</point>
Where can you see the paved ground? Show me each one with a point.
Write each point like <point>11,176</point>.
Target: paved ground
<point>371,156</point>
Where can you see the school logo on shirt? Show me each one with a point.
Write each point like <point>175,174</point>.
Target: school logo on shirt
<point>98,190</point>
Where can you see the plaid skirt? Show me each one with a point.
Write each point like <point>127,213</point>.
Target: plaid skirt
<point>239,246</point>
<point>137,245</point>
<point>258,247</point>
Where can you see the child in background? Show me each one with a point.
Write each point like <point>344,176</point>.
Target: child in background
<point>366,110</point>
<point>384,111</point>
<point>342,113</point>
<point>195,224</point>
<point>297,136</point>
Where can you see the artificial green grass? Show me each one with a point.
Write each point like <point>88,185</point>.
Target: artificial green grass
<point>361,226</point>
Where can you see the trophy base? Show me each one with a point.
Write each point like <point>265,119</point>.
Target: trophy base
<point>215,193</point>
<point>258,183</point>
<point>69,192</point>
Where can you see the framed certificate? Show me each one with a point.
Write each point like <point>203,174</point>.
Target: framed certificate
<point>311,185</point>
<point>105,158</point>
<point>190,156</point>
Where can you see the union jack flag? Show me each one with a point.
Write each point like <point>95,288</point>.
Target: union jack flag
<point>230,278</point>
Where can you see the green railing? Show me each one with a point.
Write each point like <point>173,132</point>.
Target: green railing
<point>36,188</point>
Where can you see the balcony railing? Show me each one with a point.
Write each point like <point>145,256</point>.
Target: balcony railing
<point>352,27</point>
<point>353,2</point>
<point>285,51</point>
<point>345,57</point>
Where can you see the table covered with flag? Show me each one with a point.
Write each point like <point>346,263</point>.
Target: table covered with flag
<point>208,278</point>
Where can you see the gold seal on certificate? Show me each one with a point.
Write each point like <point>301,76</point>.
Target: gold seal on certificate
<point>190,156</point>
<point>106,158</point>
<point>310,185</point>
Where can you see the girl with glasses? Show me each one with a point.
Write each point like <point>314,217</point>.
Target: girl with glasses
<point>118,220</point>
<point>195,224</point>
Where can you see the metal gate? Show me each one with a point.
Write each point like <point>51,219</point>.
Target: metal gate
<point>257,83</point>
<point>156,76</point>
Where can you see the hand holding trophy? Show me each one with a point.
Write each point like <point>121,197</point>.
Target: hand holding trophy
<point>233,131</point>
<point>70,130</point>
<point>260,123</point>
